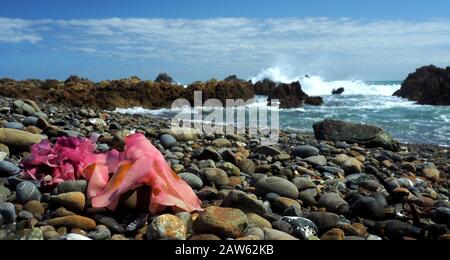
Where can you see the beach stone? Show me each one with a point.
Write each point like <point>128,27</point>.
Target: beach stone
<point>276,235</point>
<point>8,169</point>
<point>215,175</point>
<point>255,232</point>
<point>247,166</point>
<point>277,185</point>
<point>282,203</point>
<point>25,215</point>
<point>4,193</point>
<point>209,153</point>
<point>75,237</point>
<point>442,215</point>
<point>74,221</point>
<point>330,169</point>
<point>303,183</point>
<point>193,180</point>
<point>334,234</point>
<point>35,235</point>
<point>35,207</point>
<point>368,207</point>
<point>4,152</point>
<point>111,223</point>
<point>74,201</point>
<point>72,186</point>
<point>351,166</point>
<point>8,212</point>
<point>206,164</point>
<point>409,167</point>
<point>14,125</point>
<point>258,221</point>
<point>50,235</point>
<point>167,227</point>
<point>301,227</point>
<point>168,141</point>
<point>240,200</point>
<point>26,191</point>
<point>305,151</point>
<point>222,142</point>
<point>26,108</point>
<point>334,203</point>
<point>231,168</point>
<point>324,220</point>
<point>318,160</point>
<point>267,150</point>
<point>19,139</point>
<point>431,174</point>
<point>340,159</point>
<point>205,237</point>
<point>30,121</point>
<point>224,222</point>
<point>62,212</point>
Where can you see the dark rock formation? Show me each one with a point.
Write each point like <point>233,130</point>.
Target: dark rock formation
<point>427,86</point>
<point>338,91</point>
<point>370,136</point>
<point>165,78</point>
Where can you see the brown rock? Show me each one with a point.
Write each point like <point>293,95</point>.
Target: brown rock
<point>282,203</point>
<point>73,200</point>
<point>431,174</point>
<point>334,234</point>
<point>258,221</point>
<point>167,227</point>
<point>204,237</point>
<point>34,207</point>
<point>74,222</point>
<point>224,222</point>
<point>19,139</point>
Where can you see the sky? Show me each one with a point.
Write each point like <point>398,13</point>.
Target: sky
<point>203,39</point>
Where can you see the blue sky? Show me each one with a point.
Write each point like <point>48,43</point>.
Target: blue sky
<point>199,39</point>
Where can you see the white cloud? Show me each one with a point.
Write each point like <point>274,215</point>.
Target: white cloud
<point>241,40</point>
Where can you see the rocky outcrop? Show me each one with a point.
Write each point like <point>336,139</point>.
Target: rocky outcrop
<point>427,86</point>
<point>289,95</point>
<point>338,91</point>
<point>370,136</point>
<point>165,78</point>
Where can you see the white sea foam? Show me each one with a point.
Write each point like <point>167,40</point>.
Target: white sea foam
<point>317,86</point>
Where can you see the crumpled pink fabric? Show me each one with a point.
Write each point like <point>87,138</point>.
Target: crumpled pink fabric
<point>64,161</point>
<point>140,164</point>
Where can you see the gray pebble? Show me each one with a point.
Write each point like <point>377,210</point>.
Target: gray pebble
<point>8,169</point>
<point>27,191</point>
<point>8,212</point>
<point>14,125</point>
<point>193,180</point>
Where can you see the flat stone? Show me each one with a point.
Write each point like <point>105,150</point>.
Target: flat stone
<point>193,180</point>
<point>267,150</point>
<point>305,151</point>
<point>19,139</point>
<point>277,185</point>
<point>167,227</point>
<point>240,200</point>
<point>8,169</point>
<point>72,186</point>
<point>14,125</point>
<point>74,222</point>
<point>222,142</point>
<point>334,203</point>
<point>315,161</point>
<point>224,222</point>
<point>303,183</point>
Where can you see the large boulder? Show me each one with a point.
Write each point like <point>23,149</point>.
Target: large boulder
<point>165,78</point>
<point>370,136</point>
<point>427,86</point>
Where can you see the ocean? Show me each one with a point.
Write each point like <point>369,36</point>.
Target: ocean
<point>362,102</point>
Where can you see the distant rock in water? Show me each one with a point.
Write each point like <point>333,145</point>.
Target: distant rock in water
<point>429,85</point>
<point>289,95</point>
<point>338,91</point>
<point>165,78</point>
<point>339,131</point>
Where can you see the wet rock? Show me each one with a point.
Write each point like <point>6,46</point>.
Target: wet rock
<point>215,175</point>
<point>101,233</point>
<point>442,215</point>
<point>74,222</point>
<point>267,150</point>
<point>26,191</point>
<point>209,153</point>
<point>242,201</point>
<point>351,166</point>
<point>224,222</point>
<point>74,201</point>
<point>168,141</point>
<point>72,186</point>
<point>231,169</point>
<point>8,169</point>
<point>334,203</point>
<point>167,227</point>
<point>35,207</point>
<point>305,151</point>
<point>368,207</point>
<point>280,204</point>
<point>8,212</point>
<point>221,142</point>
<point>258,221</point>
<point>277,185</point>
<point>111,223</point>
<point>193,180</point>
<point>4,193</point>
